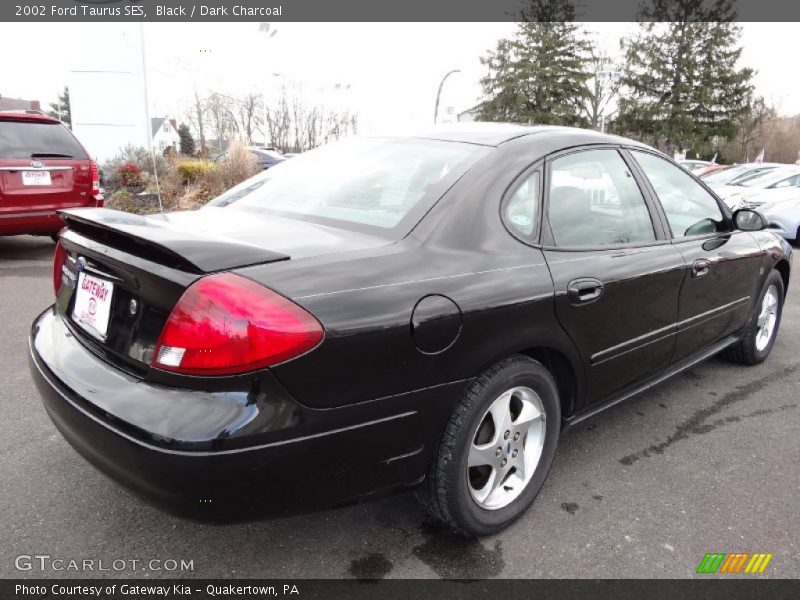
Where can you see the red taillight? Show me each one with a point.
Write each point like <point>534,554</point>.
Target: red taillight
<point>226,324</point>
<point>95,178</point>
<point>59,259</point>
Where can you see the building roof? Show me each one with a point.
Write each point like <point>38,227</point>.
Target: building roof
<point>155,124</point>
<point>19,104</point>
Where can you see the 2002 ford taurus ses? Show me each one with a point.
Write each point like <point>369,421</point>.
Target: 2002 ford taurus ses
<point>386,313</point>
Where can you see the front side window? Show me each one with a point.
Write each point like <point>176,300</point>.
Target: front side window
<point>690,209</point>
<point>595,201</point>
<point>369,184</point>
<point>522,208</point>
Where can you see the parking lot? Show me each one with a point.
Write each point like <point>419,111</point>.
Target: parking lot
<point>706,462</point>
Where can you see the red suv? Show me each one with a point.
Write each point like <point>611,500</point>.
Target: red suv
<point>43,168</point>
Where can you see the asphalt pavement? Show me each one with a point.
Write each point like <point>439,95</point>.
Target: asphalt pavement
<point>707,462</point>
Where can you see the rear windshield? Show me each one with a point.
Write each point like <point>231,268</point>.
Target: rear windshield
<point>31,139</point>
<point>372,185</point>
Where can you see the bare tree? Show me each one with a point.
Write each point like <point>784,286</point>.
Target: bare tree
<point>603,86</point>
<point>294,125</point>
<point>197,116</point>
<point>752,128</point>
<point>249,111</point>
<point>219,108</point>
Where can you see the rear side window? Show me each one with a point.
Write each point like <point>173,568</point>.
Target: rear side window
<point>522,208</point>
<point>690,209</point>
<point>595,201</point>
<point>31,139</point>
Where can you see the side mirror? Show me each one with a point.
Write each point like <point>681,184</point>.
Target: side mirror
<point>749,220</point>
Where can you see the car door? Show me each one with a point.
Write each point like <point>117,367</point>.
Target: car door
<point>616,276</point>
<point>722,265</point>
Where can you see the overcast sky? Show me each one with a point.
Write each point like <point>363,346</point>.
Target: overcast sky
<point>392,69</point>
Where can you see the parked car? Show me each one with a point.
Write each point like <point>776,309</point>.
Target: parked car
<point>773,179</point>
<point>266,157</point>
<point>43,169</point>
<point>694,165</point>
<point>389,313</point>
<point>709,169</point>
<point>781,208</point>
<point>734,173</point>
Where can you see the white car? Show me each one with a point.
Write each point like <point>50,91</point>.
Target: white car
<point>734,173</point>
<point>774,179</point>
<point>694,165</point>
<point>781,207</point>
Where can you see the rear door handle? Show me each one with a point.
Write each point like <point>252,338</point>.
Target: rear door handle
<point>701,267</point>
<point>582,291</point>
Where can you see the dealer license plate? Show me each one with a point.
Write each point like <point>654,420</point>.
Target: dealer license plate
<point>92,306</point>
<point>36,178</point>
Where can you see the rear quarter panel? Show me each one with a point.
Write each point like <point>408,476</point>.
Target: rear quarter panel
<point>365,299</point>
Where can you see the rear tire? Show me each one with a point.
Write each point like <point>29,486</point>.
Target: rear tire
<point>483,477</point>
<point>762,328</point>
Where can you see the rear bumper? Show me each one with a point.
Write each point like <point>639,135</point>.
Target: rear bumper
<point>34,222</point>
<point>209,463</point>
<point>38,222</point>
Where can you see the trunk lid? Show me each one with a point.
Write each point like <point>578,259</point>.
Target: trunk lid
<point>146,263</point>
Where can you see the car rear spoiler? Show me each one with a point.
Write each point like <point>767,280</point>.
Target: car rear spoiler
<point>156,239</point>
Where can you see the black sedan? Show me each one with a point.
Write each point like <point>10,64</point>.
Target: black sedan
<point>392,313</point>
<point>264,157</point>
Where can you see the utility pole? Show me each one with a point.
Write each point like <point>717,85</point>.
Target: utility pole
<point>149,130</point>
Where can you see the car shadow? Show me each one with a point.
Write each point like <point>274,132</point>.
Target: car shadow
<point>26,247</point>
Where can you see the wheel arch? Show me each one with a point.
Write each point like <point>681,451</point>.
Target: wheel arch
<point>564,373</point>
<point>783,267</point>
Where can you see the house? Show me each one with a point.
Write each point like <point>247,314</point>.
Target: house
<point>165,134</point>
<point>469,115</point>
<point>19,104</point>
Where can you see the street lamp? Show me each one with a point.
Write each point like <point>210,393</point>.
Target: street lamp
<point>439,93</point>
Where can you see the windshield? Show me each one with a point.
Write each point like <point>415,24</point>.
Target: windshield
<point>725,174</point>
<point>764,180</point>
<point>363,184</point>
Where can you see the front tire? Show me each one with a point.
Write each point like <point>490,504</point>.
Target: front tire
<point>496,450</point>
<point>762,328</point>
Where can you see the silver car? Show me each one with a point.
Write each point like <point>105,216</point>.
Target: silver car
<point>781,207</point>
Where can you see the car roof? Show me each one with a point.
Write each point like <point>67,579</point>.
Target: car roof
<point>495,134</point>
<point>12,115</point>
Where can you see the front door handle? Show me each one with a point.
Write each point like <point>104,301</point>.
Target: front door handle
<point>582,291</point>
<point>701,267</point>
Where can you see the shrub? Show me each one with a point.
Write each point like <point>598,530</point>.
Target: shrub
<point>122,199</point>
<point>140,204</point>
<point>239,164</point>
<point>191,171</point>
<point>129,175</point>
<point>138,156</point>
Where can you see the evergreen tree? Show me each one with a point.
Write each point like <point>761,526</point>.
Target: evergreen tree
<point>683,87</point>
<point>61,109</point>
<point>186,139</point>
<point>539,75</point>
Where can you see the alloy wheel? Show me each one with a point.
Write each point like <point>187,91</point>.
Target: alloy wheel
<point>767,318</point>
<point>505,448</point>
